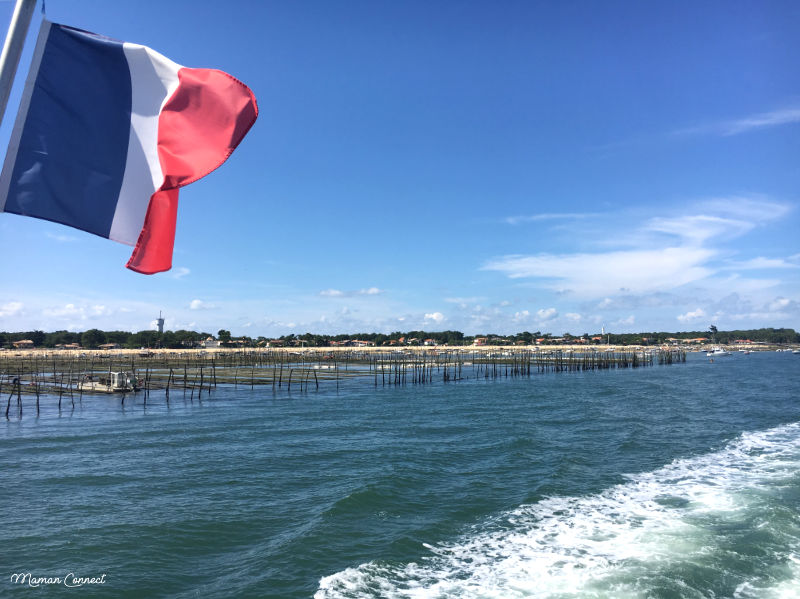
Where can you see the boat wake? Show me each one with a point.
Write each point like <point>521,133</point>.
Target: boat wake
<point>723,524</point>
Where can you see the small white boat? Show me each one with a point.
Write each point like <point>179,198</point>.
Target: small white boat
<point>117,382</point>
<point>718,350</point>
<point>796,351</point>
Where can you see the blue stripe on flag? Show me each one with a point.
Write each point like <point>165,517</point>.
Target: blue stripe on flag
<point>74,144</point>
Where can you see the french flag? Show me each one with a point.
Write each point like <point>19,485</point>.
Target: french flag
<point>108,131</point>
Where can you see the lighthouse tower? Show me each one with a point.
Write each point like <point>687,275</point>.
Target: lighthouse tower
<point>160,322</point>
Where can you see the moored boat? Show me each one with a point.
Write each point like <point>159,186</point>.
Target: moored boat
<point>718,350</point>
<point>114,382</point>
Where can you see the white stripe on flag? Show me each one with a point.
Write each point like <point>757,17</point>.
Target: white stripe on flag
<point>154,78</point>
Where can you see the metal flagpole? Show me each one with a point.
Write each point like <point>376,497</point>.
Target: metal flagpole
<point>12,49</point>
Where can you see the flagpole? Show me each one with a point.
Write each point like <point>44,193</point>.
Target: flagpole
<point>12,49</point>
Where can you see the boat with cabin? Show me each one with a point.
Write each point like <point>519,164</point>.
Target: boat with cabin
<point>113,382</point>
<point>718,350</point>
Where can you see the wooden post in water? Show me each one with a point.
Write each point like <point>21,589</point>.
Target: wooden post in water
<point>10,395</point>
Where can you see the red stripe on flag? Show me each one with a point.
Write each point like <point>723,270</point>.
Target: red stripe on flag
<point>198,128</point>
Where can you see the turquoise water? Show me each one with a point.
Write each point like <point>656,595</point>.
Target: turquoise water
<point>675,481</point>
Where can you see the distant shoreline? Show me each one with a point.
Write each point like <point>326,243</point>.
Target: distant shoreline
<point>384,349</point>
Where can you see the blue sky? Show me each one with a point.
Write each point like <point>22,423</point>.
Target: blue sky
<point>479,166</point>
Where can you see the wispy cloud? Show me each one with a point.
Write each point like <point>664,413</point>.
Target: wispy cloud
<point>585,274</point>
<point>761,263</point>
<point>785,116</point>
<point>667,252</point>
<point>720,217</point>
<point>179,272</point>
<point>67,310</point>
<point>464,300</point>
<point>698,228</point>
<point>61,238</point>
<point>353,293</point>
<point>532,218</point>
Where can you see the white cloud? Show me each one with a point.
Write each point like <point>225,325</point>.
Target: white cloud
<point>660,255</point>
<point>629,321</point>
<point>546,314</point>
<point>340,293</point>
<point>520,317</point>
<point>61,238</point>
<point>692,316</point>
<point>751,208</point>
<point>436,317</point>
<point>179,272</point>
<point>720,217</point>
<point>638,271</point>
<point>780,303</point>
<point>99,310</point>
<point>771,313</point>
<point>515,220</point>
<point>464,303</point>
<point>573,316</point>
<point>197,304</point>
<point>464,300</point>
<point>761,262</point>
<point>759,121</point>
<point>70,310</point>
<point>10,309</point>
<point>785,116</point>
<point>331,293</point>
<point>699,228</point>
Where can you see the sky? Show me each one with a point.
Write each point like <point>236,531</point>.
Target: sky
<point>482,166</point>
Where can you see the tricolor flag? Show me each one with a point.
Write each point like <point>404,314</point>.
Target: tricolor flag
<point>108,131</point>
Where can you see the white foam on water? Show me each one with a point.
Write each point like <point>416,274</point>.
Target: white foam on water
<point>620,543</point>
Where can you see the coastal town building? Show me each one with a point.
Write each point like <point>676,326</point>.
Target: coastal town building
<point>361,343</point>
<point>68,346</point>
<point>352,343</point>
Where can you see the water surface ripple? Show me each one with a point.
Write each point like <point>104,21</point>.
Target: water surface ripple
<point>678,481</point>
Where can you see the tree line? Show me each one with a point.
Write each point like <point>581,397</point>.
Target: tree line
<point>94,338</point>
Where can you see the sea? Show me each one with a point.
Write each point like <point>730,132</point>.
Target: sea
<point>678,481</point>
